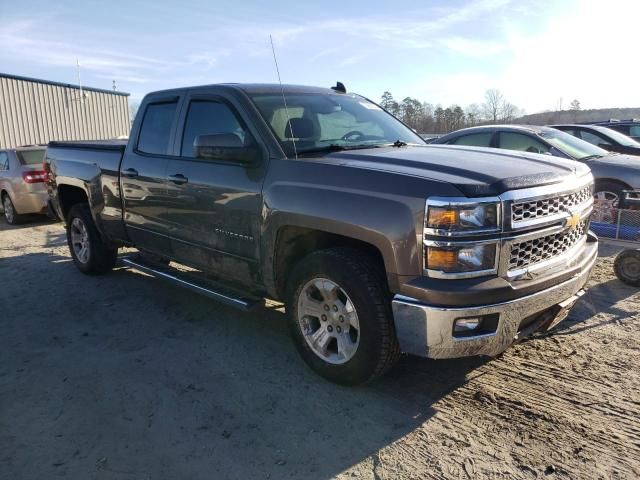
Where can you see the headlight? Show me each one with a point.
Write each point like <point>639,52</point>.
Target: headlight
<point>464,217</point>
<point>462,237</point>
<point>460,258</point>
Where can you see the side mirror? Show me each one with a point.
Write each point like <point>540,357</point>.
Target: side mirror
<point>225,147</point>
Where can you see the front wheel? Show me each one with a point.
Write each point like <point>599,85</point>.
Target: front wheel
<point>90,254</point>
<point>339,311</point>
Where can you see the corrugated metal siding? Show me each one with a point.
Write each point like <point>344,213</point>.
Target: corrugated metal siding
<point>35,113</point>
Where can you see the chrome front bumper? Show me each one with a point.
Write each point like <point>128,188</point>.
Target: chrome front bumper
<point>427,331</point>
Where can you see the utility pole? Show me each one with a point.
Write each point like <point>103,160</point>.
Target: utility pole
<point>79,81</point>
<point>82,122</point>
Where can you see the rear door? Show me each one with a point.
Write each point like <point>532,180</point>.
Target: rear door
<point>214,208</point>
<point>143,183</point>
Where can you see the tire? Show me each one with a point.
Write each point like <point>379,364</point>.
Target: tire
<point>372,348</point>
<point>98,258</point>
<point>10,214</point>
<point>609,192</point>
<point>627,267</point>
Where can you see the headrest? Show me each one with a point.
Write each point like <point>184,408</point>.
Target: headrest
<point>301,128</point>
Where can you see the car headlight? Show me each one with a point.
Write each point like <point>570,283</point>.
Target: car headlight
<point>461,237</point>
<point>463,217</point>
<point>461,258</point>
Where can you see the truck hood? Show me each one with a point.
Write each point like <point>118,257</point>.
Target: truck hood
<point>474,171</point>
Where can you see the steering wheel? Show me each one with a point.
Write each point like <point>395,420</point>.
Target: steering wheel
<point>352,136</point>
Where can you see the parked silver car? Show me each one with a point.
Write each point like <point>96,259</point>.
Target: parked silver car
<point>614,173</point>
<point>22,182</point>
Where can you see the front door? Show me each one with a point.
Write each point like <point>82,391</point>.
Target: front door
<point>143,182</point>
<point>214,207</point>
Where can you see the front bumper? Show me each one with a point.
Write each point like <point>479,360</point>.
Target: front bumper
<point>427,330</point>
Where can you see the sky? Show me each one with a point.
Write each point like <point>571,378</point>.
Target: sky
<point>537,52</point>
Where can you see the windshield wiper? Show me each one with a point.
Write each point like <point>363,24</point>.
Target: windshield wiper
<point>591,157</point>
<point>399,143</point>
<point>334,147</point>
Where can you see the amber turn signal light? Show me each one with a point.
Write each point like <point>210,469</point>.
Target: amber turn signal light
<point>441,259</point>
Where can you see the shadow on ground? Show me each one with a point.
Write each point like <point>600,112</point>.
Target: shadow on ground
<point>123,376</point>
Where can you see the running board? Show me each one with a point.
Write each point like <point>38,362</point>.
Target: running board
<point>204,288</point>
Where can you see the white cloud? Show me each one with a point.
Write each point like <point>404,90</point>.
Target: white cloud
<point>587,53</point>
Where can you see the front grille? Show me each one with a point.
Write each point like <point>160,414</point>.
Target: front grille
<point>529,252</point>
<point>537,209</point>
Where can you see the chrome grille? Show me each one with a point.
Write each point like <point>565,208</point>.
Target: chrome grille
<point>545,207</point>
<point>527,253</point>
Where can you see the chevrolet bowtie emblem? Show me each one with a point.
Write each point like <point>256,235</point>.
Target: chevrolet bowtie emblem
<point>573,221</point>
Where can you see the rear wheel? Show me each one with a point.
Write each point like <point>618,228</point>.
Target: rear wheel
<point>10,214</point>
<point>627,267</point>
<point>90,254</point>
<point>339,311</point>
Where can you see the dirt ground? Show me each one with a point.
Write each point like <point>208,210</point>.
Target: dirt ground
<point>126,377</point>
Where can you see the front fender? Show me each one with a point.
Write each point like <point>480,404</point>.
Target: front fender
<point>387,223</point>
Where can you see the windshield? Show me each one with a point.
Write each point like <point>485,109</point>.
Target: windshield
<point>621,138</point>
<point>30,157</point>
<point>325,122</point>
<point>574,147</point>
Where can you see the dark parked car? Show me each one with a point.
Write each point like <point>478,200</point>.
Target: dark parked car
<point>603,137</point>
<point>613,172</point>
<point>376,242</point>
<point>630,127</point>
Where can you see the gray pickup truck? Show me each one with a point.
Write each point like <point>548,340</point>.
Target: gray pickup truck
<point>376,242</point>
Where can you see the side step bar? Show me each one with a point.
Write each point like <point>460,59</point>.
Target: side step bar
<point>204,288</point>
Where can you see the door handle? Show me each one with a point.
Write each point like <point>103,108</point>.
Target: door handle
<point>130,173</point>
<point>178,179</point>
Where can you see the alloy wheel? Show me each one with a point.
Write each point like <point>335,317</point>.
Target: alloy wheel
<point>328,320</point>
<point>80,240</point>
<point>9,213</point>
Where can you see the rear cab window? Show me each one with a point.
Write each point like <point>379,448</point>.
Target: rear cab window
<point>157,124</point>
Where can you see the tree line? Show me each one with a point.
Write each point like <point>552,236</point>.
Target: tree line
<point>425,117</point>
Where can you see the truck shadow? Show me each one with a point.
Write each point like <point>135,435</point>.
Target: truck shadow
<point>163,383</point>
<point>601,297</point>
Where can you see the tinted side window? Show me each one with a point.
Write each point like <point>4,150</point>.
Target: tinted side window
<point>156,128</point>
<point>209,118</point>
<point>4,161</point>
<point>570,131</point>
<point>620,128</point>
<point>593,138</point>
<point>634,131</point>
<point>519,141</point>
<point>474,139</point>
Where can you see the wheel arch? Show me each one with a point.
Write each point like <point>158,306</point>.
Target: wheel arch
<point>294,242</point>
<point>68,196</point>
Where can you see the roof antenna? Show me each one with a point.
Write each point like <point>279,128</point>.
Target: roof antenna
<point>339,88</point>
<point>284,100</point>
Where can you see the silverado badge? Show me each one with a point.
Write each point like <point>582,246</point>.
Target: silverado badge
<point>573,221</point>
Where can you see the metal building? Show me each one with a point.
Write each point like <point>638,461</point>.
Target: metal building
<point>36,111</point>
